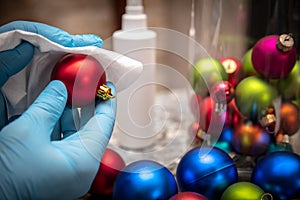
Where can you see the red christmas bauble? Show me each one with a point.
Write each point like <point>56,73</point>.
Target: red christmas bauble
<point>222,92</point>
<point>274,56</point>
<point>210,120</point>
<point>110,167</point>
<point>234,70</point>
<point>188,196</point>
<point>82,76</point>
<point>250,139</point>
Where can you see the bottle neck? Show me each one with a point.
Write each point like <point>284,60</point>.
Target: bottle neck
<point>134,18</point>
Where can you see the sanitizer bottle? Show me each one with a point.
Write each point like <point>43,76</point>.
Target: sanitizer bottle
<point>135,128</point>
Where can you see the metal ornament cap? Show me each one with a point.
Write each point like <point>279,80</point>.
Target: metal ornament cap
<point>104,92</point>
<point>285,42</point>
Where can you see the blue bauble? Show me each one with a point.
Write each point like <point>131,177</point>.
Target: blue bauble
<point>145,179</point>
<point>206,170</point>
<point>224,141</point>
<point>279,174</point>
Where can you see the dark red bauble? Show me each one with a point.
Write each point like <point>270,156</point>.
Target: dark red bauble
<point>289,118</point>
<point>222,92</point>
<point>250,139</point>
<point>188,196</point>
<point>210,120</point>
<point>235,117</point>
<point>234,70</point>
<point>110,167</point>
<point>274,56</point>
<point>82,76</point>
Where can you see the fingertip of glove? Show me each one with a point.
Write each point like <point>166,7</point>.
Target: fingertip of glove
<point>88,40</point>
<point>57,89</point>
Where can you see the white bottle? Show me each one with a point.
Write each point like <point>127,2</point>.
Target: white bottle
<point>134,122</point>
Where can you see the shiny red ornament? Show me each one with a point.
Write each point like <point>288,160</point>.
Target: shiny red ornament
<point>222,92</point>
<point>82,75</point>
<point>234,70</point>
<point>110,167</point>
<point>211,121</point>
<point>289,118</point>
<point>274,56</point>
<point>250,139</point>
<point>235,117</point>
<point>188,196</point>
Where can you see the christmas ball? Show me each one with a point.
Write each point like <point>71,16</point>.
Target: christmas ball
<point>188,196</point>
<point>289,118</point>
<point>235,116</point>
<point>225,140</point>
<point>83,77</point>
<point>222,92</point>
<point>212,121</point>
<point>206,170</point>
<point>280,142</point>
<point>274,56</point>
<point>244,191</point>
<point>250,139</point>
<point>206,72</point>
<point>253,96</point>
<point>289,87</point>
<point>247,64</point>
<point>234,70</point>
<point>110,167</point>
<point>278,174</point>
<point>146,180</point>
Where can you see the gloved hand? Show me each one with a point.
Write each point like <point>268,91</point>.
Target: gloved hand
<point>14,60</point>
<point>33,167</point>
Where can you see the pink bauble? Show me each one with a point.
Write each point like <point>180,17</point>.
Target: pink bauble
<point>274,56</point>
<point>188,196</point>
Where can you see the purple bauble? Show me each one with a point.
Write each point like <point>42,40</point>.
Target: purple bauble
<point>274,56</point>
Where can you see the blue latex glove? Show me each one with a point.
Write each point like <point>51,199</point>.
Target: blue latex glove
<point>13,61</point>
<point>33,167</point>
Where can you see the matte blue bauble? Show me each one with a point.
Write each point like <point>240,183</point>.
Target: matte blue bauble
<point>224,141</point>
<point>279,174</point>
<point>206,170</point>
<point>145,179</point>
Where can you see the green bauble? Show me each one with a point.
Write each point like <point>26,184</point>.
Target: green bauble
<point>247,65</point>
<point>243,191</point>
<point>253,96</point>
<point>290,86</point>
<point>206,72</point>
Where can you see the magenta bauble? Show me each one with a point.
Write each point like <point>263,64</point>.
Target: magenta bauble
<point>274,56</point>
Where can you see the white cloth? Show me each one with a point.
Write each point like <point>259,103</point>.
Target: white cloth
<point>22,89</point>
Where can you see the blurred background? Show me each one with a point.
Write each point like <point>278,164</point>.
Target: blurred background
<point>227,27</point>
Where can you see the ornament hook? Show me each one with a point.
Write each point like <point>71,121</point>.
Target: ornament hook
<point>104,92</point>
<point>266,196</point>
